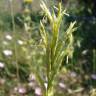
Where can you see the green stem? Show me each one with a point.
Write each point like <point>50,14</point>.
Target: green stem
<point>94,60</point>
<point>15,46</point>
<point>49,92</point>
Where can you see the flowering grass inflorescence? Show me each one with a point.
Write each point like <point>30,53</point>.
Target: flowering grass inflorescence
<point>55,48</point>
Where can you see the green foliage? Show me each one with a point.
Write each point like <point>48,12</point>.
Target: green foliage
<point>5,17</point>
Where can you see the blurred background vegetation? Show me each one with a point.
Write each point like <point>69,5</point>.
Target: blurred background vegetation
<point>82,66</point>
